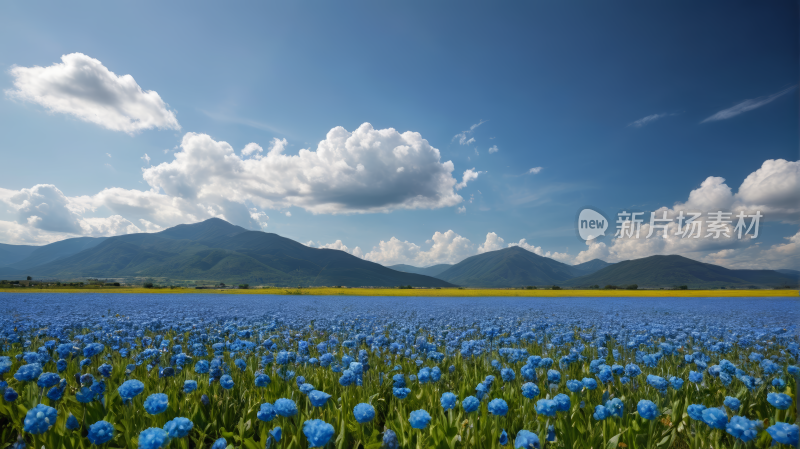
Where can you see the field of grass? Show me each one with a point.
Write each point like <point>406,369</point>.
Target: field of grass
<point>445,292</point>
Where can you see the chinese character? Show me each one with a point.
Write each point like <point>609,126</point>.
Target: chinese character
<point>653,224</point>
<point>754,222</point>
<point>627,223</point>
<point>718,224</point>
<point>692,228</point>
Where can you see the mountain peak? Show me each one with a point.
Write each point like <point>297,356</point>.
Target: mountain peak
<point>211,228</point>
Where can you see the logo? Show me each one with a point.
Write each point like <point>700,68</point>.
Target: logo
<point>591,224</point>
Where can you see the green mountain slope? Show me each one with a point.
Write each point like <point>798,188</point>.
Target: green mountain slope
<point>669,271</point>
<point>508,267</point>
<point>589,267</point>
<point>433,270</point>
<point>215,250</point>
<point>58,250</point>
<point>10,254</point>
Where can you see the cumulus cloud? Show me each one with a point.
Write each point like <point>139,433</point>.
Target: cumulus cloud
<point>535,170</point>
<point>493,149</point>
<point>83,87</point>
<point>465,137</point>
<point>747,105</point>
<point>469,175</point>
<point>338,245</point>
<point>773,190</point>
<point>348,173</point>
<point>446,247</point>
<point>461,210</point>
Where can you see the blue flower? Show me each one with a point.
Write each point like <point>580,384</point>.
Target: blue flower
<point>28,373</point>
<point>156,403</point>
<point>55,393</point>
<point>100,432</point>
<point>226,382</point>
<point>658,382</point>
<point>401,393</point>
<point>105,370</point>
<point>39,419</point>
<point>546,407</point>
<point>61,365</point>
<point>574,385</point>
<point>503,440</point>
<point>220,444</point>
<point>601,413</point>
<point>347,378</point>
<point>732,403</point>
<point>154,438</point>
<point>85,395</point>
<point>743,428</point>
<point>178,427</point>
<point>470,404</point>
<point>189,386</point>
<point>695,411</point>
<point>318,398</point>
<point>285,407</point>
<point>616,407</point>
<point>306,388</point>
<point>448,400</point>
<point>498,407</point>
<point>72,422</point>
<point>647,409</point>
<point>317,432</point>
<point>562,402</point>
<point>390,440</point>
<point>779,400</point>
<point>363,413</point>
<point>589,383</point>
<point>47,380</point>
<point>262,380</point>
<point>695,377</point>
<point>201,367</point>
<point>553,376</point>
<point>5,364</point>
<point>419,419</point>
<point>507,374</point>
<point>530,390</point>
<point>784,433</point>
<point>526,440</point>
<point>715,417</point>
<point>266,413</point>
<point>276,433</point>
<point>130,389</point>
<point>632,370</point>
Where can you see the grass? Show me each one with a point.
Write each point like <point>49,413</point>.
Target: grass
<point>445,292</point>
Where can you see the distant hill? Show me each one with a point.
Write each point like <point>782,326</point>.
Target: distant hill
<point>216,250</point>
<point>670,271</point>
<point>432,270</point>
<point>794,273</point>
<point>589,267</point>
<point>58,250</point>
<point>10,254</point>
<point>507,267</point>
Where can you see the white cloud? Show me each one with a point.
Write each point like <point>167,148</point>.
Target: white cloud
<point>535,170</point>
<point>773,189</point>
<point>461,210</point>
<point>146,158</point>
<point>349,172</point>
<point>288,214</point>
<point>338,245</point>
<point>747,105</point>
<point>446,247</point>
<point>469,175</point>
<point>464,137</point>
<point>43,207</point>
<point>492,243</point>
<point>650,118</point>
<point>107,154</point>
<point>83,87</point>
<point>493,149</point>
<point>776,257</point>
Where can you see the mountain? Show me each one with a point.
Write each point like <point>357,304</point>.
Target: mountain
<point>669,271</point>
<point>794,273</point>
<point>58,250</point>
<point>507,267</point>
<point>215,250</point>
<point>432,270</point>
<point>10,254</point>
<point>589,267</point>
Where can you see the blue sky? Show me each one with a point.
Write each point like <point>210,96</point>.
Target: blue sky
<point>558,86</point>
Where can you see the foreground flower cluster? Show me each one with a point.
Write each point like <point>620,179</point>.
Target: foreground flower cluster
<point>339,375</point>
